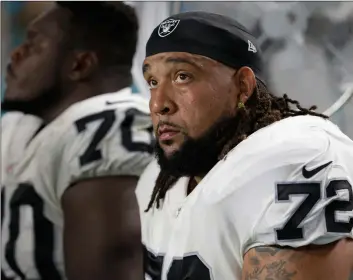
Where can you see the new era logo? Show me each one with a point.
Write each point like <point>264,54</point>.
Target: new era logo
<point>167,27</point>
<point>251,47</point>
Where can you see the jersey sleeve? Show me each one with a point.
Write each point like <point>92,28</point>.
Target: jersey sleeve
<point>295,192</point>
<point>105,143</point>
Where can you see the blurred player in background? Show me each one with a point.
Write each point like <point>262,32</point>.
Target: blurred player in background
<point>74,147</point>
<point>245,187</point>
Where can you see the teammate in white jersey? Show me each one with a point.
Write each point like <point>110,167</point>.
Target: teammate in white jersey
<point>69,207</point>
<point>244,187</point>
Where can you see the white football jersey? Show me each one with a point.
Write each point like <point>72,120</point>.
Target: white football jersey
<point>17,130</point>
<point>288,184</point>
<point>107,135</point>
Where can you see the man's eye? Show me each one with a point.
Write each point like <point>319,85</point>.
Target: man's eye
<point>152,83</point>
<point>182,78</point>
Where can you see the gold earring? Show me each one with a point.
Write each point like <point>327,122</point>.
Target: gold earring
<point>241,105</point>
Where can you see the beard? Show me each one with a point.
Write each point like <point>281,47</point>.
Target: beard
<point>196,157</point>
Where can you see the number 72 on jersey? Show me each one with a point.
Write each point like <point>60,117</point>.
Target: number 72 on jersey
<point>312,190</point>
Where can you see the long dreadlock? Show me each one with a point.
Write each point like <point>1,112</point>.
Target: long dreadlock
<point>262,109</point>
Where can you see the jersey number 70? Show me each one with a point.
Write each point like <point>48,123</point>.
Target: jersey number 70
<point>108,117</point>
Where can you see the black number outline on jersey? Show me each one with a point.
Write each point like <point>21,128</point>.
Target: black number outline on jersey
<point>190,266</point>
<point>338,205</point>
<point>284,192</point>
<point>291,229</point>
<point>152,264</point>
<point>108,117</point>
<point>25,194</point>
<point>92,154</point>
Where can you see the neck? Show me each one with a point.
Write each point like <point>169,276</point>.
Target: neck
<point>193,182</point>
<point>82,92</point>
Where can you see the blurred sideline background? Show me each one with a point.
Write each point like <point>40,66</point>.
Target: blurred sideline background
<point>308,46</point>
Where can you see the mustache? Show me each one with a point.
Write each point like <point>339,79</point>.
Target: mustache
<point>160,123</point>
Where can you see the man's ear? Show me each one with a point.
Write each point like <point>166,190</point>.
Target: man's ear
<point>246,83</point>
<point>83,65</point>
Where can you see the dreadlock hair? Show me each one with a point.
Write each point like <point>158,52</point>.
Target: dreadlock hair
<point>110,29</point>
<point>262,109</point>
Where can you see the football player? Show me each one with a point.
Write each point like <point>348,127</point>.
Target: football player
<point>74,153</point>
<point>246,186</point>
